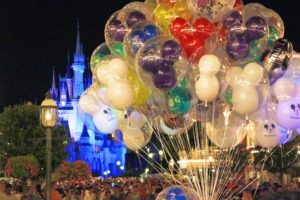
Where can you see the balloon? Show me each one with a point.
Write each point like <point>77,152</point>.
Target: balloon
<point>226,133</point>
<point>212,10</point>
<point>178,192</point>
<point>100,53</point>
<point>245,99</point>
<point>103,74</point>
<point>140,92</point>
<point>232,19</point>
<point>237,46</point>
<point>256,28</point>
<point>202,85</point>
<point>105,120</point>
<point>253,73</point>
<point>137,120</point>
<point>209,65</point>
<point>165,78</point>
<point>276,58</point>
<point>161,63</point>
<point>119,25</point>
<point>139,33</point>
<point>233,76</point>
<point>267,134</point>
<point>87,121</point>
<point>136,138</point>
<point>88,104</point>
<point>118,68</point>
<point>283,89</point>
<point>288,114</point>
<point>120,94</point>
<point>179,101</point>
<point>191,36</point>
<point>286,137</point>
<point>101,93</point>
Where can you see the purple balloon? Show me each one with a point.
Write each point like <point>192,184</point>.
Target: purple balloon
<point>117,30</point>
<point>256,28</point>
<point>237,46</point>
<point>134,17</point>
<point>233,19</point>
<point>288,114</point>
<point>150,60</point>
<point>170,51</point>
<point>165,78</point>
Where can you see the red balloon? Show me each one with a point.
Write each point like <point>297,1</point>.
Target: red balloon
<point>238,3</point>
<point>191,36</point>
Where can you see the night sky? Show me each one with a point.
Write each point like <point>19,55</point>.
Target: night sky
<point>35,36</point>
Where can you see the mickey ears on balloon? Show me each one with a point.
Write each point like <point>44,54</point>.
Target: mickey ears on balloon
<point>88,104</point>
<point>209,65</point>
<point>283,89</point>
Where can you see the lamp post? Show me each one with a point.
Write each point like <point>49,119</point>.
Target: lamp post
<point>48,118</point>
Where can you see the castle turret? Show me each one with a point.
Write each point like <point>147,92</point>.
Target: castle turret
<point>69,79</point>
<point>78,67</point>
<point>53,90</point>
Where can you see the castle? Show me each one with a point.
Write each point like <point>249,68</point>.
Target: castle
<point>105,156</point>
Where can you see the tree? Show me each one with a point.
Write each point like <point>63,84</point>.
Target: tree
<point>22,134</point>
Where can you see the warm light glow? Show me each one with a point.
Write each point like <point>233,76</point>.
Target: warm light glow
<point>146,170</point>
<point>151,155</point>
<point>160,152</point>
<point>48,115</point>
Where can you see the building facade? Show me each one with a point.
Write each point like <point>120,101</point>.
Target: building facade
<point>105,156</point>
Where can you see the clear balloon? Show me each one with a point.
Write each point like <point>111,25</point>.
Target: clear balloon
<point>105,120</point>
<point>119,24</point>
<point>178,192</point>
<point>161,63</point>
<point>283,89</point>
<point>137,36</point>
<point>212,10</point>
<point>88,104</point>
<point>120,94</point>
<point>100,53</point>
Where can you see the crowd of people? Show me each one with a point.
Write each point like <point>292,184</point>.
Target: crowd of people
<point>130,188</point>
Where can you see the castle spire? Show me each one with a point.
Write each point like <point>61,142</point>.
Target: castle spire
<point>68,72</point>
<point>53,89</point>
<point>78,51</point>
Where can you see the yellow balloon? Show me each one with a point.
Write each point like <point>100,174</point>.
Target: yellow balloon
<point>181,9</point>
<point>163,15</point>
<point>140,91</point>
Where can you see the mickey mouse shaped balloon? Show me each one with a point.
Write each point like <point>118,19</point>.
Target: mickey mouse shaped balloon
<point>287,93</point>
<point>244,82</point>
<point>267,134</point>
<point>207,86</point>
<point>104,118</point>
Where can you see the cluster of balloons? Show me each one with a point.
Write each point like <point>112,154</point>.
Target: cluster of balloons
<point>170,63</point>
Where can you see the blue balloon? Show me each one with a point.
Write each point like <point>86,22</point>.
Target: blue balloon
<point>136,40</point>
<point>150,31</point>
<point>175,193</point>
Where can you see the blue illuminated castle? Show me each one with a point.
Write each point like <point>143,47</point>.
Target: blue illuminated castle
<point>104,155</point>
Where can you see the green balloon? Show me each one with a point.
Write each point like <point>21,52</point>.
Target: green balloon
<point>273,35</point>
<point>179,99</point>
<point>99,54</point>
<point>118,49</point>
<point>255,50</point>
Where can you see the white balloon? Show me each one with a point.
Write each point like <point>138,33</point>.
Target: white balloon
<point>297,90</point>
<point>233,76</point>
<point>104,75</point>
<point>134,138</point>
<point>207,88</point>
<point>101,93</point>
<point>245,99</point>
<point>267,134</point>
<point>120,94</point>
<point>118,68</point>
<point>106,120</point>
<point>209,65</point>
<point>253,72</point>
<point>88,104</point>
<point>137,120</point>
<point>283,89</point>
<point>288,114</point>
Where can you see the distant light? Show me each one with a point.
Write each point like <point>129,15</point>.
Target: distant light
<point>63,103</point>
<point>104,173</point>
<point>118,163</point>
<point>150,155</point>
<point>108,172</point>
<point>122,167</point>
<point>160,152</point>
<point>147,170</point>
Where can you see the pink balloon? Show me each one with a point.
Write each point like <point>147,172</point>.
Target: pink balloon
<point>288,114</point>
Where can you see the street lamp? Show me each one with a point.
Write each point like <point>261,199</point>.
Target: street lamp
<point>48,117</point>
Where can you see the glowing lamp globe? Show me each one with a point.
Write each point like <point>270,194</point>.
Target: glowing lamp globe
<point>48,112</point>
